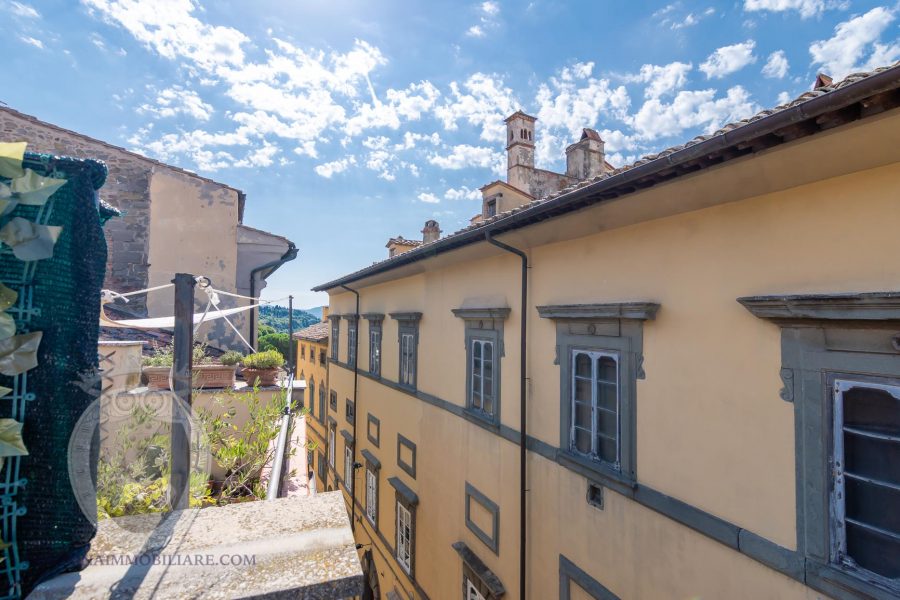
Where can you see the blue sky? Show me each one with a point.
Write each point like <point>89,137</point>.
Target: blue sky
<point>350,121</point>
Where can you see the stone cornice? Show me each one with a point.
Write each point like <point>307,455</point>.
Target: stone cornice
<point>643,311</point>
<point>406,316</point>
<point>371,459</point>
<point>371,316</point>
<point>867,306</point>
<point>404,490</point>
<point>482,313</point>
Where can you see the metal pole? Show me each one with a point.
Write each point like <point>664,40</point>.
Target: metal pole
<point>179,482</point>
<point>292,365</point>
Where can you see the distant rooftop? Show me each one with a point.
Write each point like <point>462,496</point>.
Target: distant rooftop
<point>318,332</point>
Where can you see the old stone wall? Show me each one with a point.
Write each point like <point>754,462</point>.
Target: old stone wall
<point>546,182</point>
<point>127,188</point>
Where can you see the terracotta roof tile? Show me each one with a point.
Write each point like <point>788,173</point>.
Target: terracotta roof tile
<point>317,332</point>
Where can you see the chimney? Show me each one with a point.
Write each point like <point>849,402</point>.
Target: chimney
<point>586,158</point>
<point>431,232</point>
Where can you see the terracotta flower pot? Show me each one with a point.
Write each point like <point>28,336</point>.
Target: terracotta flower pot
<point>266,376</point>
<point>213,376</point>
<point>202,376</point>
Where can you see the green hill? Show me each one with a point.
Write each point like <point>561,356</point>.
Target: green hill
<point>276,317</point>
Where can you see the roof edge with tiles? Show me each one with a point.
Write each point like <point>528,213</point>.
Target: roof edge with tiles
<point>799,118</point>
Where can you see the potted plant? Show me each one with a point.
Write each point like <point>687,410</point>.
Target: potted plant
<point>262,367</point>
<point>205,372</point>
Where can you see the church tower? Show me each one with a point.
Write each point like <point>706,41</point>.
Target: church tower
<point>520,150</point>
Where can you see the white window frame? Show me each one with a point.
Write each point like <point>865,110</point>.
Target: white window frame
<point>404,542</point>
<point>472,592</point>
<point>595,356</point>
<point>375,351</point>
<point>407,358</point>
<point>371,495</point>
<point>331,444</point>
<point>348,467</point>
<point>481,386</point>
<point>352,332</point>
<point>838,498</point>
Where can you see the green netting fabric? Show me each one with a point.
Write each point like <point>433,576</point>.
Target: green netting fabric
<point>59,297</point>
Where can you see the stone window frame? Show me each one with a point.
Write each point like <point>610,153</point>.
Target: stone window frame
<point>404,496</point>
<point>376,325</point>
<point>473,568</point>
<point>349,410</point>
<point>570,573</point>
<point>371,420</point>
<point>322,393</point>
<point>348,448</point>
<point>618,328</point>
<point>335,336</point>
<point>484,324</point>
<point>302,351</point>
<point>311,388</point>
<point>332,400</point>
<point>492,539</point>
<point>331,441</point>
<point>352,339</point>
<point>827,337</point>
<point>409,469</point>
<point>408,324</point>
<point>322,468</point>
<point>373,465</point>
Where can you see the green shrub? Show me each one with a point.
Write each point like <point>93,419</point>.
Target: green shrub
<point>269,359</point>
<point>276,341</point>
<point>164,356</point>
<point>231,358</point>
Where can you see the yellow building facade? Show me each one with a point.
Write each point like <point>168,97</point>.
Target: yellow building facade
<point>312,366</point>
<point>706,348</point>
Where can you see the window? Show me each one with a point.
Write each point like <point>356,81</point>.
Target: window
<point>335,336</point>
<point>408,337</point>
<point>404,536</point>
<point>350,411</point>
<point>599,353</point>
<point>471,592</point>
<point>351,342</point>
<point>490,208</point>
<point>323,473</point>
<point>375,345</point>
<point>407,359</point>
<point>866,488</point>
<point>322,357</point>
<point>595,406</point>
<point>372,495</point>
<point>331,444</point>
<point>840,360</point>
<point>332,401</point>
<point>312,395</point>
<point>303,351</point>
<point>484,348</point>
<point>310,461</point>
<point>348,467</point>
<point>321,415</point>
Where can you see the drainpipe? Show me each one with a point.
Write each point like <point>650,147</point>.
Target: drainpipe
<point>522,415</point>
<point>288,256</point>
<point>354,465</point>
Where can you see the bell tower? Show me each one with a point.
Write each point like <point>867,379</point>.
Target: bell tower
<point>520,150</point>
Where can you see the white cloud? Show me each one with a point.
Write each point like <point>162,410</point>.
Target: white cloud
<point>410,140</point>
<point>400,105</point>
<point>689,109</point>
<point>428,198</point>
<point>260,157</point>
<point>176,100</point>
<point>777,66</point>
<point>853,40</point>
<point>483,101</point>
<point>489,11</point>
<point>465,156</point>
<point>462,193</point>
<point>327,170</point>
<point>21,9</point>
<point>32,41</point>
<point>662,79</point>
<point>783,98</point>
<point>692,19</point>
<point>169,28</point>
<point>728,59</point>
<point>806,8</point>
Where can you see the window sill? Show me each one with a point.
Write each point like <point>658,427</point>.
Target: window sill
<point>597,472</point>
<point>481,418</point>
<point>845,582</point>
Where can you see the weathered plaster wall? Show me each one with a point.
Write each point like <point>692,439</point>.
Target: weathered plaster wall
<point>127,188</point>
